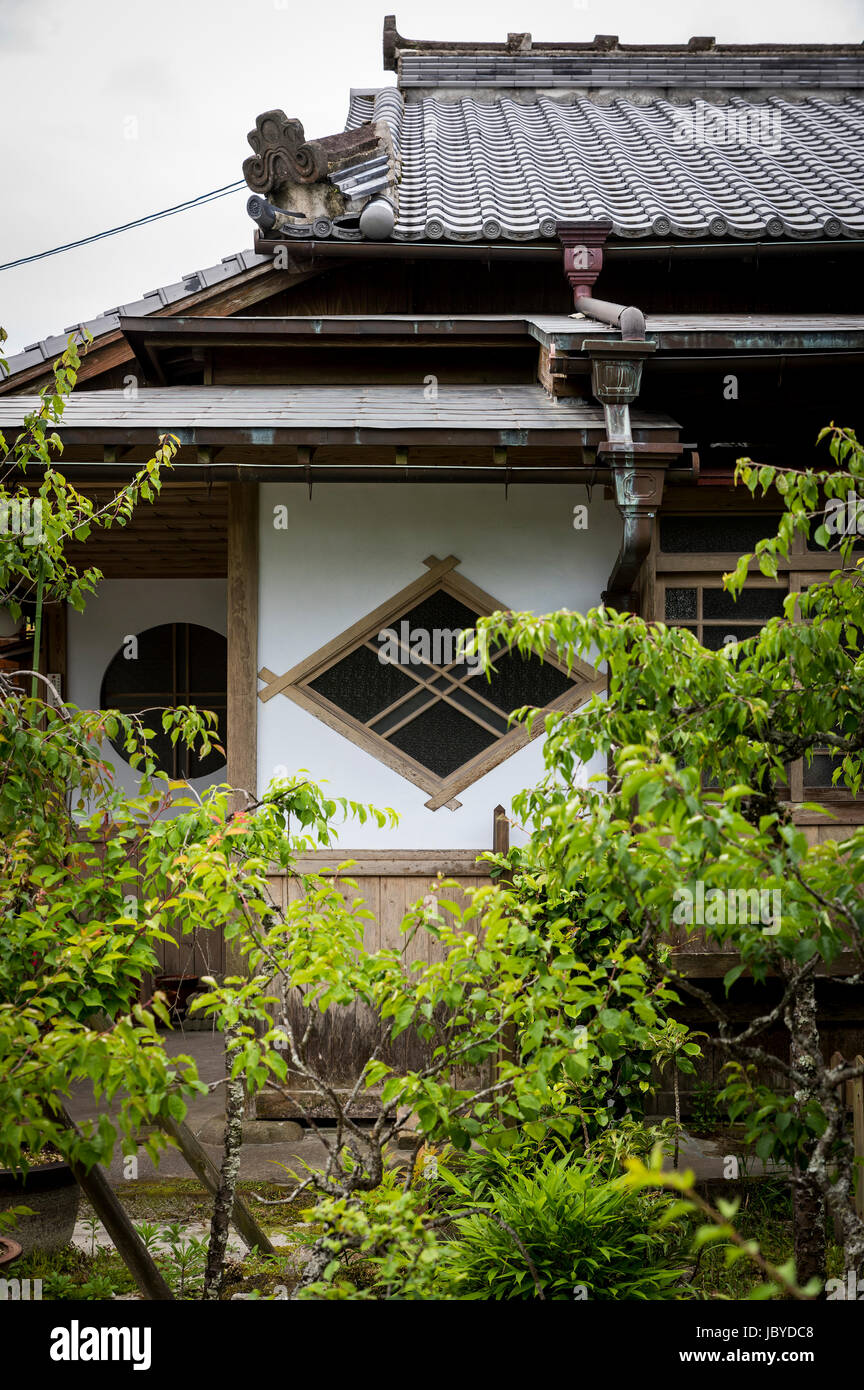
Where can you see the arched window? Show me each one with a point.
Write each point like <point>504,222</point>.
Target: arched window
<point>172,664</point>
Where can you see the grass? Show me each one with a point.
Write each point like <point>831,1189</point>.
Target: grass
<point>99,1273</point>
<point>765,1215</point>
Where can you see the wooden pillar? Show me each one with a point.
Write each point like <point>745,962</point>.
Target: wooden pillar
<point>52,659</point>
<point>242,728</point>
<point>507,1051</point>
<point>242,629</point>
<point>500,831</point>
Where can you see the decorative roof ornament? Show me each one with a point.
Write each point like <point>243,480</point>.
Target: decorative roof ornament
<point>346,183</point>
<point>282,154</point>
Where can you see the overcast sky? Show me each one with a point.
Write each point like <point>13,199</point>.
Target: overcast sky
<point>115,110</point>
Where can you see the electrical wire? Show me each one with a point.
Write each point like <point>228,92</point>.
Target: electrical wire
<point>200,201</point>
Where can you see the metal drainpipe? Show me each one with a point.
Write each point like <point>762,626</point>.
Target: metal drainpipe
<point>638,470</point>
<point>629,319</point>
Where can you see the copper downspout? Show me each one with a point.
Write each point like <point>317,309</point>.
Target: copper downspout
<point>638,480</point>
<point>583,244</point>
<point>638,470</point>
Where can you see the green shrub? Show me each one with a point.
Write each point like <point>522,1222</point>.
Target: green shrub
<point>629,1138</point>
<point>706,1108</point>
<point>580,1231</point>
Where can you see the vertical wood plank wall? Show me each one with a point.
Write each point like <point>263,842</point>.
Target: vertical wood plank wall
<point>389,883</point>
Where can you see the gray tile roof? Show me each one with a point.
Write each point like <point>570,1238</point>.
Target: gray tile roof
<point>47,349</point>
<point>266,415</point>
<point>477,171</point>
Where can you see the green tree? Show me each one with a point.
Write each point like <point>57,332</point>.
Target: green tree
<point>698,742</point>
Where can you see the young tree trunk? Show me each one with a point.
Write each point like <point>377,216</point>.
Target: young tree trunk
<point>242,1217</point>
<point>228,1174</point>
<point>677,1094</point>
<point>808,1205</point>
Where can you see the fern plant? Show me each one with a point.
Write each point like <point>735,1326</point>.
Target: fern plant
<point>560,1231</point>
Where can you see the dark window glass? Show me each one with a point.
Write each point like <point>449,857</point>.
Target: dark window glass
<point>176,664</point>
<point>680,603</point>
<point>705,535</point>
<point>715,638</point>
<point>518,681</point>
<point>821,771</point>
<point>752,603</point>
<point>361,685</point>
<point>442,739</point>
<point>440,610</point>
<point>408,707</point>
<point>479,710</point>
<point>836,539</point>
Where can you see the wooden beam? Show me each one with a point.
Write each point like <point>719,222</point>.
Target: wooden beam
<point>111,349</point>
<point>242,726</point>
<point>107,1206</point>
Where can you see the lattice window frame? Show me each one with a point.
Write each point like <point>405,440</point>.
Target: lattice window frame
<point>296,685</point>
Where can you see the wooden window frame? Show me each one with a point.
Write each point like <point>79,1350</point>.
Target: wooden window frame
<point>296,684</point>
<point>710,579</point>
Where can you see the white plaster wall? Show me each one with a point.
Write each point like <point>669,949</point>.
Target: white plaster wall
<point>353,546</point>
<point>124,606</point>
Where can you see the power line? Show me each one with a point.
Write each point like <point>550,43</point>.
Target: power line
<point>200,201</point>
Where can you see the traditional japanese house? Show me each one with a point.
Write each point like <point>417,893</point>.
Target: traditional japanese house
<point>498,344</point>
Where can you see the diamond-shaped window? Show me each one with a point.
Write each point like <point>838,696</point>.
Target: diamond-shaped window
<point>399,684</point>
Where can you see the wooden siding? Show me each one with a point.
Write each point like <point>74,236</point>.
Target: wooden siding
<point>343,1039</point>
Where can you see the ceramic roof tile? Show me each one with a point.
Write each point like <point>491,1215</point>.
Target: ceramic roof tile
<point>476,171</point>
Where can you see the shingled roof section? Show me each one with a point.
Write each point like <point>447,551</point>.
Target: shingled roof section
<point>47,349</point>
<point>477,171</point>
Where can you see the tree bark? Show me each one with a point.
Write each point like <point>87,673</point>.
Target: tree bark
<point>229,1172</point>
<point>808,1203</point>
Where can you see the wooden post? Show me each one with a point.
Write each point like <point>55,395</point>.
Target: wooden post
<point>53,657</point>
<point>242,721</point>
<point>500,845</point>
<point>207,1173</point>
<point>500,831</point>
<point>107,1206</point>
<point>242,627</point>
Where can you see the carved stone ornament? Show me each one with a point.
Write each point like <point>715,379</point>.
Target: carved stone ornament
<point>282,154</point>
